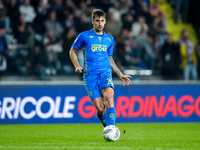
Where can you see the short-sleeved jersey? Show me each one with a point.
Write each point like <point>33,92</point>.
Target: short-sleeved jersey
<point>96,50</point>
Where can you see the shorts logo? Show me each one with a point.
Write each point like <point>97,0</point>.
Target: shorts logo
<point>109,81</point>
<point>91,93</point>
<point>91,36</point>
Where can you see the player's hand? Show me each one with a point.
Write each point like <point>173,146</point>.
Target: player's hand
<point>78,70</point>
<point>125,79</point>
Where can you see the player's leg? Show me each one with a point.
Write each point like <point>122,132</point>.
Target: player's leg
<point>91,84</point>
<point>108,94</point>
<point>99,105</point>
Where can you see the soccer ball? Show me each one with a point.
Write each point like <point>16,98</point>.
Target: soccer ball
<point>111,133</point>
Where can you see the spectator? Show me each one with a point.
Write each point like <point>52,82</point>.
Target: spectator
<point>138,26</point>
<point>156,28</point>
<point>142,42</point>
<point>4,20</point>
<point>67,66</point>
<point>41,12</point>
<point>146,1</point>
<point>3,42</point>
<point>36,62</point>
<point>46,3</point>
<point>155,11</point>
<point>3,52</point>
<point>67,42</point>
<point>6,54</point>
<point>104,5</point>
<point>125,50</point>
<point>69,8</point>
<point>113,26</point>
<point>163,19</point>
<point>24,32</point>
<point>3,65</point>
<point>83,23</point>
<point>189,60</point>
<point>58,7</point>
<point>143,10</point>
<point>83,8</point>
<point>13,12</point>
<point>115,10</point>
<point>52,47</point>
<point>185,5</point>
<point>197,51</point>
<point>53,24</point>
<point>156,46</point>
<point>28,11</point>
<point>131,2</point>
<point>68,22</point>
<point>128,22</point>
<point>184,34</point>
<point>126,8</point>
<point>169,59</point>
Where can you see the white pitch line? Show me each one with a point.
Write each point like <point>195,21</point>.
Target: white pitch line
<point>70,147</point>
<point>75,147</point>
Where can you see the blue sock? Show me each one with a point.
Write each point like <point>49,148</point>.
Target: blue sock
<point>110,116</point>
<point>102,119</point>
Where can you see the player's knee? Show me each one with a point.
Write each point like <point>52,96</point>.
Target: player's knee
<point>100,109</point>
<point>109,102</point>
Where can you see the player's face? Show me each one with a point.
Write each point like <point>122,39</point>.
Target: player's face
<point>99,23</point>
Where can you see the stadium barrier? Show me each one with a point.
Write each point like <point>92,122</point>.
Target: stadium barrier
<point>42,102</point>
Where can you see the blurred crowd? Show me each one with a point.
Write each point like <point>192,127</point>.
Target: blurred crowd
<point>36,36</point>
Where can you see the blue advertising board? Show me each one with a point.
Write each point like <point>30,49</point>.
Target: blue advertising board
<point>70,104</point>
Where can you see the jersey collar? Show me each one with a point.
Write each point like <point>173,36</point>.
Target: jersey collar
<point>94,33</point>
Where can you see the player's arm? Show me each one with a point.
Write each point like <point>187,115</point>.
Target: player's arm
<point>125,78</point>
<point>73,57</point>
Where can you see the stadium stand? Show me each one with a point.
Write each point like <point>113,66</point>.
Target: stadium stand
<point>36,36</point>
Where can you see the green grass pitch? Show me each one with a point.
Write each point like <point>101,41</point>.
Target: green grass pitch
<point>155,136</point>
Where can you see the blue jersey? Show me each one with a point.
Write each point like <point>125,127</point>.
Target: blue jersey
<point>96,50</point>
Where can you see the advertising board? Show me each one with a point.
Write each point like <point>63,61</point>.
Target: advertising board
<point>70,104</point>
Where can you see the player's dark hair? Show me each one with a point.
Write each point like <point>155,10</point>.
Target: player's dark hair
<point>98,13</point>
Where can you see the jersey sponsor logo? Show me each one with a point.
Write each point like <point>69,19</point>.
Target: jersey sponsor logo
<point>98,47</point>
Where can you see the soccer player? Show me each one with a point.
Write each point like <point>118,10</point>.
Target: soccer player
<point>97,74</point>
